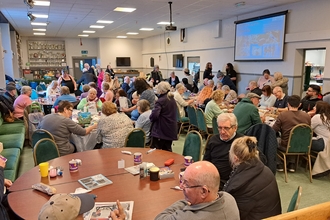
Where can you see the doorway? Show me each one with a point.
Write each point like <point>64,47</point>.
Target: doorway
<point>314,67</point>
<point>193,64</point>
<point>78,64</point>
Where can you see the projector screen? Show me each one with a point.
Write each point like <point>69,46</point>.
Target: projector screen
<point>260,38</point>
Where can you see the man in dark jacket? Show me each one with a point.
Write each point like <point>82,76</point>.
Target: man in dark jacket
<point>125,86</point>
<point>10,95</point>
<point>254,88</point>
<point>217,149</point>
<point>87,77</point>
<point>312,96</point>
<point>156,75</point>
<point>225,80</point>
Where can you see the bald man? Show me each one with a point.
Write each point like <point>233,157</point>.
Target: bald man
<point>281,102</point>
<point>200,185</point>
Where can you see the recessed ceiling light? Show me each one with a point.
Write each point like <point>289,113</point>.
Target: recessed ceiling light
<point>39,29</point>
<point>42,3</point>
<point>132,33</point>
<point>165,23</point>
<point>40,16</point>
<point>104,22</point>
<point>39,33</point>
<point>146,29</point>
<point>121,9</point>
<point>83,35</point>
<point>96,26</point>
<point>39,23</point>
<point>91,32</point>
<point>121,36</point>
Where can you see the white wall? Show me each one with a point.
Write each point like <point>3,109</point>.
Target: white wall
<point>303,31</point>
<point>7,52</point>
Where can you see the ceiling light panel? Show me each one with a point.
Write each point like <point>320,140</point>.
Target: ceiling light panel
<point>96,26</point>
<point>165,23</point>
<point>39,33</point>
<point>121,9</point>
<point>121,36</point>
<point>146,29</point>
<point>132,33</point>
<point>39,23</point>
<point>83,35</point>
<point>104,22</point>
<point>39,29</point>
<point>42,3</point>
<point>40,15</point>
<point>90,32</point>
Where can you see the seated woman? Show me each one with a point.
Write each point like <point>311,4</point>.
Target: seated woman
<point>86,88</point>
<point>267,98</point>
<point>205,93</point>
<point>180,102</point>
<point>113,129</point>
<point>143,122</point>
<point>173,80</point>
<point>22,101</point>
<point>135,113</point>
<point>121,95</point>
<point>251,183</point>
<point>91,102</point>
<point>230,94</point>
<point>107,94</point>
<point>65,96</point>
<point>52,89</point>
<point>212,108</point>
<point>98,90</point>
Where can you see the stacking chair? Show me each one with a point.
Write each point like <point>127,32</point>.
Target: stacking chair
<point>215,126</point>
<point>202,123</point>
<point>192,117</point>
<point>300,141</point>
<point>294,203</point>
<point>45,150</point>
<point>136,138</point>
<point>34,95</point>
<point>193,145</point>
<point>183,122</point>
<point>40,134</point>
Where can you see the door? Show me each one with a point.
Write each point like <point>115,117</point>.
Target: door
<point>78,65</point>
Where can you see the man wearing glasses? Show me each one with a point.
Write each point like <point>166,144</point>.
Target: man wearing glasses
<point>281,103</point>
<point>200,185</point>
<point>217,149</point>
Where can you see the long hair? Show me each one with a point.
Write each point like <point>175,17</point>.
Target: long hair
<point>141,85</point>
<point>323,108</point>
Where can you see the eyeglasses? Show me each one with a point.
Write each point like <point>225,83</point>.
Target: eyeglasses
<point>225,128</point>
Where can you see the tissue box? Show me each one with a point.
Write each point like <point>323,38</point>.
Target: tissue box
<point>165,172</point>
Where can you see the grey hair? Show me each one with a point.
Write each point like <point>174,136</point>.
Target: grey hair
<point>254,83</point>
<point>92,90</point>
<point>65,90</point>
<point>277,88</point>
<point>163,88</point>
<point>25,89</point>
<point>52,83</point>
<point>225,88</point>
<point>156,66</point>
<point>210,82</point>
<point>179,86</point>
<point>227,116</point>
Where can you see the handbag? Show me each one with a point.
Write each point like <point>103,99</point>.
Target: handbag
<point>9,117</point>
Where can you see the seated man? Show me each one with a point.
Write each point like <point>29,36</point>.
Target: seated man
<point>205,82</point>
<point>61,126</point>
<point>285,122</point>
<point>65,96</point>
<point>254,88</point>
<point>217,149</point>
<point>226,80</point>
<point>247,113</point>
<point>312,96</point>
<point>10,95</point>
<point>281,102</point>
<point>125,86</point>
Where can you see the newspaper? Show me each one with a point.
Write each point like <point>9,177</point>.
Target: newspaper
<point>102,210</point>
<point>93,182</point>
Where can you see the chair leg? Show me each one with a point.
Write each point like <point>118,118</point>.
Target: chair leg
<point>285,170</point>
<point>179,132</point>
<point>310,167</point>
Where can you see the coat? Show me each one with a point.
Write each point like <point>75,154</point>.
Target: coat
<point>227,81</point>
<point>87,77</point>
<point>163,117</point>
<point>255,190</point>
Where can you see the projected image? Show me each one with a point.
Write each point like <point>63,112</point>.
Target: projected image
<point>260,39</point>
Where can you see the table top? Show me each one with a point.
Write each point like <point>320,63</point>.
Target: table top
<point>149,197</point>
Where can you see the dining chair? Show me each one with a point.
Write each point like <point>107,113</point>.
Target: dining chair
<point>193,145</point>
<point>34,94</point>
<point>299,143</point>
<point>202,123</point>
<point>215,126</point>
<point>191,110</point>
<point>183,122</point>
<point>40,134</point>
<point>294,203</point>
<point>45,150</point>
<point>136,138</point>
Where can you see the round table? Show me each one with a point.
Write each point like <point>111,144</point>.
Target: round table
<point>150,197</point>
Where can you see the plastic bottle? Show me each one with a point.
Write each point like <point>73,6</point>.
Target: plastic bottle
<point>85,108</point>
<point>52,110</point>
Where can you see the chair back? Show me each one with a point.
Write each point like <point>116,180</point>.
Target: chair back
<point>39,134</point>
<point>294,203</point>
<point>192,115</point>
<point>178,116</point>
<point>193,145</point>
<point>300,139</point>
<point>34,95</point>
<point>201,121</point>
<point>215,126</point>
<point>45,150</point>
<point>136,138</point>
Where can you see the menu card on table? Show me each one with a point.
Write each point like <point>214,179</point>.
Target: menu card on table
<point>95,181</point>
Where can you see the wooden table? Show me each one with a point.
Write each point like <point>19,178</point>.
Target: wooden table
<point>150,198</point>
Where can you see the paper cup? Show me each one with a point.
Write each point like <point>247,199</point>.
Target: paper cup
<point>188,160</point>
<point>154,173</point>
<point>137,158</point>
<point>73,166</point>
<point>44,169</point>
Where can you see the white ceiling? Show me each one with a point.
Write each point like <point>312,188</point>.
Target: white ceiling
<point>68,18</point>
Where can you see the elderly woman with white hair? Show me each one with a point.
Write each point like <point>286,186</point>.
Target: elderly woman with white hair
<point>22,101</point>
<point>180,102</point>
<point>52,89</point>
<point>163,117</point>
<point>230,94</point>
<point>91,102</point>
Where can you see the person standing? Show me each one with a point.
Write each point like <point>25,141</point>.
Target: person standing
<point>66,80</point>
<point>163,117</point>
<point>87,77</point>
<point>231,73</point>
<point>208,71</point>
<point>156,76</point>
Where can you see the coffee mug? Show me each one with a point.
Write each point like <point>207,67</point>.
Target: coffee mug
<point>73,166</point>
<point>44,169</point>
<point>154,173</point>
<point>188,160</point>
<point>137,158</point>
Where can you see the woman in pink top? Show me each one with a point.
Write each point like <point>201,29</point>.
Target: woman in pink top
<point>100,77</point>
<point>22,101</point>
